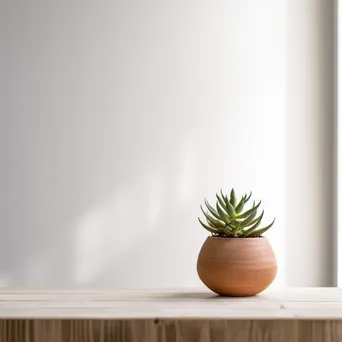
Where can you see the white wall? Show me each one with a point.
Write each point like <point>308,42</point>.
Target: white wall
<point>311,144</point>
<point>118,118</point>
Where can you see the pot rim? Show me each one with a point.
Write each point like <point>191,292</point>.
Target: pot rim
<point>236,238</point>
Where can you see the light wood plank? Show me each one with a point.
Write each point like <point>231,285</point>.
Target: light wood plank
<point>173,294</point>
<point>282,304</point>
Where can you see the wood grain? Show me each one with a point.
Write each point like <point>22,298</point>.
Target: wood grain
<point>169,331</point>
<point>302,303</point>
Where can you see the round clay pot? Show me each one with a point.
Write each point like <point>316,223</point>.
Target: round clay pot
<point>237,266</point>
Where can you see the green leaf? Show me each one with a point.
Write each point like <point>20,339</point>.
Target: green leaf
<point>233,223</point>
<point>221,201</point>
<point>228,231</point>
<point>222,214</point>
<point>212,220</point>
<point>223,196</point>
<point>226,200</point>
<point>240,206</point>
<point>229,208</point>
<point>210,224</point>
<point>260,231</point>
<point>232,198</point>
<point>236,230</point>
<point>212,210</point>
<point>250,211</point>
<point>208,228</point>
<point>249,231</point>
<point>247,199</point>
<point>254,221</point>
<point>249,220</point>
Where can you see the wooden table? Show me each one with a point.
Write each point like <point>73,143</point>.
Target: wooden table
<point>291,315</point>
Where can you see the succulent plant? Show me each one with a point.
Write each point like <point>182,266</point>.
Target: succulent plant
<point>229,219</point>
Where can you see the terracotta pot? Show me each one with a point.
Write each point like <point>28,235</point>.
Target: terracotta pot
<point>237,266</point>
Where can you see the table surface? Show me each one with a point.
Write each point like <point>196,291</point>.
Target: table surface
<point>290,303</point>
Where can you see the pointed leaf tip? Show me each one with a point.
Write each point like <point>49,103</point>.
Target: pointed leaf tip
<point>210,219</point>
<point>221,201</point>
<point>222,213</point>
<point>248,198</point>
<point>212,210</point>
<point>232,198</point>
<point>250,211</point>
<point>240,206</point>
<point>251,230</point>
<point>260,231</point>
<point>208,228</point>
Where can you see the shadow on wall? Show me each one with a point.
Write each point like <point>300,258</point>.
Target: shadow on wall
<point>133,237</point>
<point>104,203</point>
<point>119,120</point>
<point>142,231</point>
<point>87,207</point>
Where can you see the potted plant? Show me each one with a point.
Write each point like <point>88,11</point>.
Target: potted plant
<point>236,260</point>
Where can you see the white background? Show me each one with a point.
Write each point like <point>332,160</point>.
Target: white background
<point>118,118</point>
